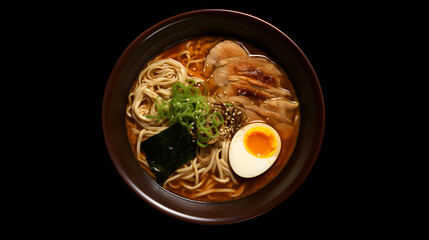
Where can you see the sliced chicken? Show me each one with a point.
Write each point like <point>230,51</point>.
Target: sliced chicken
<point>243,88</point>
<point>255,82</point>
<point>256,70</point>
<point>223,50</point>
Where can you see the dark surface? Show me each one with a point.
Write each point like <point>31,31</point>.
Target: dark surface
<point>76,186</point>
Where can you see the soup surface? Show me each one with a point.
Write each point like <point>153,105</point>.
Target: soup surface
<point>237,85</point>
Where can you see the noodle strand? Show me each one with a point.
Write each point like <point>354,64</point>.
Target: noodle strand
<point>209,173</point>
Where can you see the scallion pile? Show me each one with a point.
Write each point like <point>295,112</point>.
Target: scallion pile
<point>189,106</point>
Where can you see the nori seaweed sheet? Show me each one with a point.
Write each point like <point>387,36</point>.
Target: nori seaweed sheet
<point>169,150</point>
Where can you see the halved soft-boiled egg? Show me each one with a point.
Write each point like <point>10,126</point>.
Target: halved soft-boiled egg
<point>253,149</point>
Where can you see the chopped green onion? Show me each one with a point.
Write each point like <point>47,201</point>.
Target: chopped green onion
<point>217,118</point>
<point>189,107</point>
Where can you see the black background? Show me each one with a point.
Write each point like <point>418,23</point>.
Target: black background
<point>80,190</point>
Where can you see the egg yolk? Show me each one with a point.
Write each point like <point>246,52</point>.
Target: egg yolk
<point>260,142</point>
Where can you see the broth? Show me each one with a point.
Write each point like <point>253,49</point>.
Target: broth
<point>198,48</point>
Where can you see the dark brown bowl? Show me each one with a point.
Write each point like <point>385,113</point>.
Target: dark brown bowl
<point>219,23</point>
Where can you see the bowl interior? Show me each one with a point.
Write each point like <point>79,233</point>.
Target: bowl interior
<point>214,23</point>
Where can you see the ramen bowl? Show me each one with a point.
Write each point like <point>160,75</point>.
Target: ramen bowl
<point>229,24</point>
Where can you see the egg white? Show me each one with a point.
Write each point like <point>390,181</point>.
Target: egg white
<point>243,163</point>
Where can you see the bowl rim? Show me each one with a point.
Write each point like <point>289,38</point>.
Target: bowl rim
<point>164,24</point>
